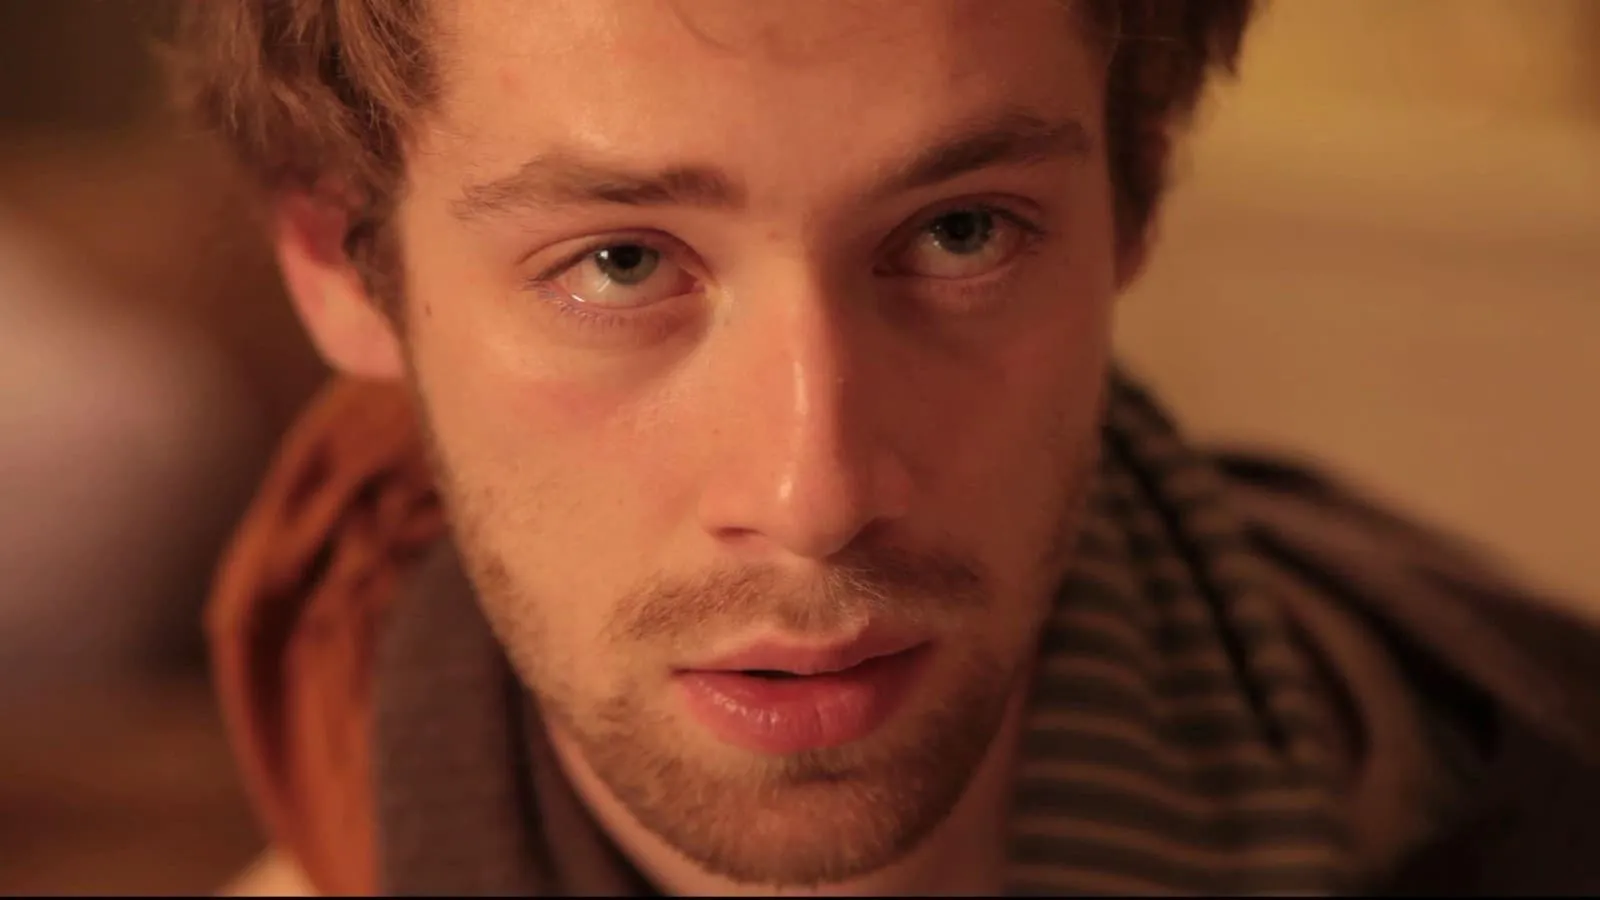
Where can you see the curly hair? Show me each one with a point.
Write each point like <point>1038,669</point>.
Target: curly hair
<point>302,90</point>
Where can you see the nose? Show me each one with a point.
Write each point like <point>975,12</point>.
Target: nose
<point>810,462</point>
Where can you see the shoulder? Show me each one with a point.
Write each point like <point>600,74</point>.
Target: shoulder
<point>1427,592</point>
<point>347,507</point>
<point>1479,648</point>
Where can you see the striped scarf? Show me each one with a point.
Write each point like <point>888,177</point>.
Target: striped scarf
<point>1180,738</point>
<point>1176,739</point>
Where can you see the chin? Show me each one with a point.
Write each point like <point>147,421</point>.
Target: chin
<point>798,820</point>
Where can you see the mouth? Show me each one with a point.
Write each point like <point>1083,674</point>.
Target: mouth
<point>779,699</point>
<point>777,661</point>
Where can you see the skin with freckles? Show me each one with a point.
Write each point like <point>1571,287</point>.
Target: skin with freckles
<point>738,321</point>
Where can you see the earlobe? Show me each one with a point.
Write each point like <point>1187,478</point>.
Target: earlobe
<point>347,325</point>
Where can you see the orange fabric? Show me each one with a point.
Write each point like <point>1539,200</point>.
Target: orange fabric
<point>347,503</point>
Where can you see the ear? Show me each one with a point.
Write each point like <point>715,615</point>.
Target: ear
<point>347,325</point>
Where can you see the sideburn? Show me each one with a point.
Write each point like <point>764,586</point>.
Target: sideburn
<point>372,244</point>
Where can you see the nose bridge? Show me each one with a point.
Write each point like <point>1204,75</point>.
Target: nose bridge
<point>798,372</point>
<point>824,436</point>
<point>811,468</point>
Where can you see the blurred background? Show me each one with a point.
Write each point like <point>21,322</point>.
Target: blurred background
<point>1381,253</point>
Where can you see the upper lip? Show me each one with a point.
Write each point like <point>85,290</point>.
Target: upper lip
<point>809,659</point>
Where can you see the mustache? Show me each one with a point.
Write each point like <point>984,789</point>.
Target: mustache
<point>908,586</point>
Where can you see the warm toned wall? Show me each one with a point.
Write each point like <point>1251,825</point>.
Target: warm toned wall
<point>1387,252</point>
<point>90,156</point>
<point>1521,58</point>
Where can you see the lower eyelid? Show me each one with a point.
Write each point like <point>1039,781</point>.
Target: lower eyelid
<point>657,314</point>
<point>643,324</point>
<point>973,293</point>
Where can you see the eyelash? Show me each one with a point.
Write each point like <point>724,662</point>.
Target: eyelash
<point>590,316</point>
<point>972,294</point>
<point>963,296</point>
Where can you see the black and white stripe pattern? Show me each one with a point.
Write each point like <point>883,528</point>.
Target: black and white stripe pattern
<point>1176,741</point>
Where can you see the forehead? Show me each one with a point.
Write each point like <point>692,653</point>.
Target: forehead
<point>760,82</point>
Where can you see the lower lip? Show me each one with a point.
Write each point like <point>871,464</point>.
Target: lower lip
<point>810,712</point>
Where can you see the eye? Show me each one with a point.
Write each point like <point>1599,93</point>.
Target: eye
<point>620,275</point>
<point>962,243</point>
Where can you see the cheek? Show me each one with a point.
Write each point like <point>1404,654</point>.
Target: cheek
<point>578,458</point>
<point>553,482</point>
<point>569,476</point>
<point>1057,371</point>
<point>1056,365</point>
<point>1016,440</point>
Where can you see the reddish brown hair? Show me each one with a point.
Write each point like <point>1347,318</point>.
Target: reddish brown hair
<point>304,90</point>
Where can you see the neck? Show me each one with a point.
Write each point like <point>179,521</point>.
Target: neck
<point>964,856</point>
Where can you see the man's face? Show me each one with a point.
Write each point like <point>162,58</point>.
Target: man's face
<point>764,336</point>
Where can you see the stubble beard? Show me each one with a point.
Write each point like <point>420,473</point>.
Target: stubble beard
<point>801,820</point>
<point>806,819</point>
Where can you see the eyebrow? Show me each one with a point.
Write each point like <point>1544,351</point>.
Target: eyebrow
<point>563,178</point>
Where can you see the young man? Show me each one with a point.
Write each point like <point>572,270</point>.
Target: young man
<point>730,489</point>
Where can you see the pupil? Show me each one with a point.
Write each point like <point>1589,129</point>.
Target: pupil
<point>964,232</point>
<point>626,263</point>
